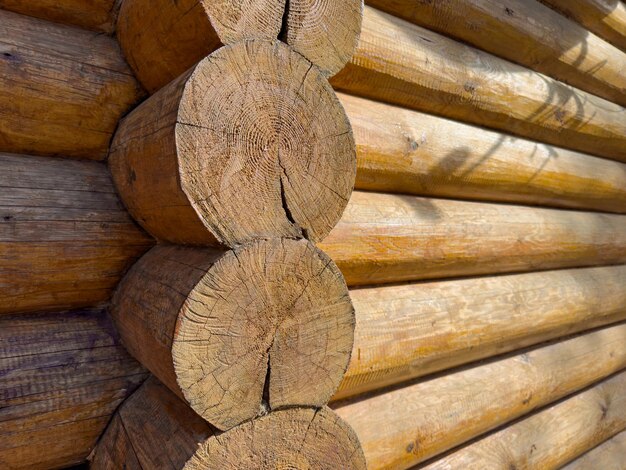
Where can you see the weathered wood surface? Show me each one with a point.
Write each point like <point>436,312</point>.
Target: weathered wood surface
<point>404,151</point>
<point>552,437</point>
<point>163,38</point>
<point>610,455</point>
<point>527,33</point>
<point>63,376</point>
<point>65,238</point>
<point>386,238</point>
<point>408,331</point>
<point>409,425</point>
<point>405,64</point>
<point>154,430</point>
<point>606,18</point>
<point>218,328</point>
<point>62,89</point>
<point>97,15</point>
<point>251,143</point>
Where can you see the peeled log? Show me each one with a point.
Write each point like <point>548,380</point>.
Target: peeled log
<point>65,238</point>
<point>62,89</point>
<point>606,18</point>
<point>409,425</point>
<point>552,437</point>
<point>251,143</point>
<point>609,455</point>
<point>63,376</point>
<point>163,38</point>
<point>408,331</point>
<point>154,430</point>
<point>212,325</point>
<point>527,33</point>
<point>98,15</point>
<point>404,64</point>
<point>386,238</point>
<point>404,151</point>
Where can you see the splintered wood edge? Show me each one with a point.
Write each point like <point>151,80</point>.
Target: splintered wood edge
<point>288,439</point>
<point>270,326</point>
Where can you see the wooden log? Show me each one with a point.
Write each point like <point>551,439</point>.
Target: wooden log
<point>235,333</point>
<point>251,143</point>
<point>552,437</point>
<point>386,238</point>
<point>62,89</point>
<point>411,66</point>
<point>63,376</point>
<point>606,18</point>
<point>325,32</point>
<point>97,15</point>
<point>527,33</point>
<point>408,331</point>
<point>154,430</point>
<point>609,455</point>
<point>409,425</point>
<point>404,151</point>
<point>65,238</point>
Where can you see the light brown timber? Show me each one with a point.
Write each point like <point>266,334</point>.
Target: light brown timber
<point>527,33</point>
<point>412,330</point>
<point>63,376</point>
<point>410,425</point>
<point>251,143</point>
<point>610,455</point>
<point>386,238</point>
<point>154,430</point>
<point>408,65</point>
<point>62,89</point>
<point>606,18</point>
<point>163,38</point>
<point>65,238</point>
<point>552,437</point>
<point>213,325</point>
<point>405,151</point>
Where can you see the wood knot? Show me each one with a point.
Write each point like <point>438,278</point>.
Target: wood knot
<point>559,114</point>
<point>470,87</point>
<point>7,217</point>
<point>509,12</point>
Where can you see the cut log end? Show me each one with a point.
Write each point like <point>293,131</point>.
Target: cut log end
<point>263,147</point>
<point>289,439</point>
<point>326,32</point>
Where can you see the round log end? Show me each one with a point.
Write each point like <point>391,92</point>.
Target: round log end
<point>325,32</point>
<point>270,325</point>
<point>295,439</point>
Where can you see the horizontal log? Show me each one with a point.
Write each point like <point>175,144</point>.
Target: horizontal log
<point>409,425</point>
<point>97,15</point>
<point>223,157</point>
<point>62,89</point>
<point>552,437</point>
<point>63,376</point>
<point>65,238</point>
<point>154,430</point>
<point>218,328</point>
<point>404,151</point>
<point>386,238</point>
<point>606,18</point>
<point>610,455</point>
<point>527,33</point>
<point>408,331</point>
<point>408,65</point>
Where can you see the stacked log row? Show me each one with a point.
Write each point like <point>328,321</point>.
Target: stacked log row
<point>608,455</point>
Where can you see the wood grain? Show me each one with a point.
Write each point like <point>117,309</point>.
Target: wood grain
<point>610,455</point>
<point>408,331</point>
<point>408,65</point>
<point>527,33</point>
<point>409,425</point>
<point>63,376</point>
<point>404,151</point>
<point>65,238</point>
<point>62,89</point>
<point>386,238</point>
